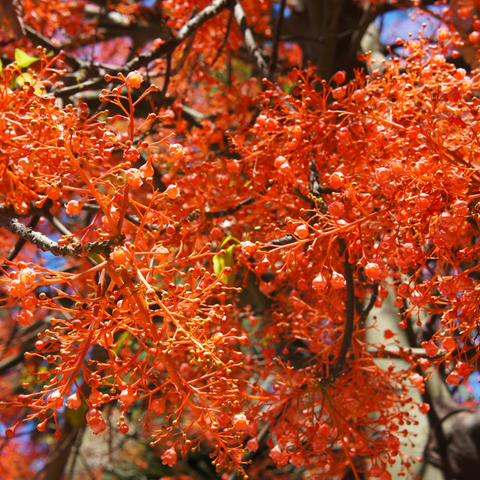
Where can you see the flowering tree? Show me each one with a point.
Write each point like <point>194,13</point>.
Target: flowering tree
<point>231,229</point>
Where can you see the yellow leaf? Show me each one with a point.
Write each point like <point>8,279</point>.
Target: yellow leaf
<point>23,59</point>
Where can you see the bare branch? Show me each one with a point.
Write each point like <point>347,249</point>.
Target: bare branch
<point>9,211</point>
<point>22,241</point>
<point>231,210</point>
<point>170,45</point>
<point>38,239</point>
<point>87,85</point>
<point>276,37</point>
<point>317,190</point>
<point>57,224</point>
<point>261,439</point>
<point>371,304</point>
<point>225,39</point>
<point>47,245</point>
<point>249,39</point>
<point>39,39</point>
<point>350,310</point>
<point>286,240</point>
<point>168,72</point>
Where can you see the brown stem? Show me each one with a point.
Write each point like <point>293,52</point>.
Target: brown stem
<point>350,310</point>
<point>47,245</point>
<point>276,37</point>
<point>170,45</point>
<point>371,304</point>
<point>225,39</point>
<point>168,72</point>
<point>249,40</point>
<point>231,210</point>
<point>38,39</point>
<point>22,241</point>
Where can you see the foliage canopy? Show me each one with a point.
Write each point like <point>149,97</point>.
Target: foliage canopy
<point>213,224</point>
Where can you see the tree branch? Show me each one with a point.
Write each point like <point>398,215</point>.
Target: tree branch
<point>249,39</point>
<point>276,37</point>
<point>280,242</point>
<point>22,241</point>
<point>38,239</point>
<point>11,362</point>
<point>230,210</point>
<point>88,84</point>
<point>261,439</point>
<point>168,72</point>
<point>315,187</point>
<point>57,224</point>
<point>170,45</point>
<point>9,211</point>
<point>225,39</point>
<point>47,245</point>
<point>350,310</point>
<point>317,191</point>
<point>371,304</point>
<point>39,39</point>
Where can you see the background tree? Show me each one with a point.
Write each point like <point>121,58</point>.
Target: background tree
<point>235,232</point>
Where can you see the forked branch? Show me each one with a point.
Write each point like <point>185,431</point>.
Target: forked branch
<point>170,45</point>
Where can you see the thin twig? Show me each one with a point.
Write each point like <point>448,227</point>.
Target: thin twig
<point>317,190</point>
<point>261,439</point>
<point>166,82</point>
<point>57,224</point>
<point>90,84</point>
<point>368,17</point>
<point>186,50</point>
<point>305,38</point>
<point>60,450</point>
<point>230,210</point>
<point>39,39</point>
<point>350,310</point>
<point>398,351</point>
<point>316,187</point>
<point>60,227</point>
<point>11,362</point>
<point>9,341</point>
<point>10,212</point>
<point>190,217</point>
<point>225,39</point>
<point>78,443</point>
<point>276,37</point>
<point>280,242</point>
<point>170,45</point>
<point>371,304</point>
<point>87,466</point>
<point>293,37</point>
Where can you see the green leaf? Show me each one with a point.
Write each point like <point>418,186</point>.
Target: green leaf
<point>225,260</point>
<point>24,78</point>
<point>27,78</point>
<point>76,417</point>
<point>119,342</point>
<point>266,340</point>
<point>118,179</point>
<point>228,239</point>
<point>222,261</point>
<point>218,264</point>
<point>1,66</point>
<point>23,59</point>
